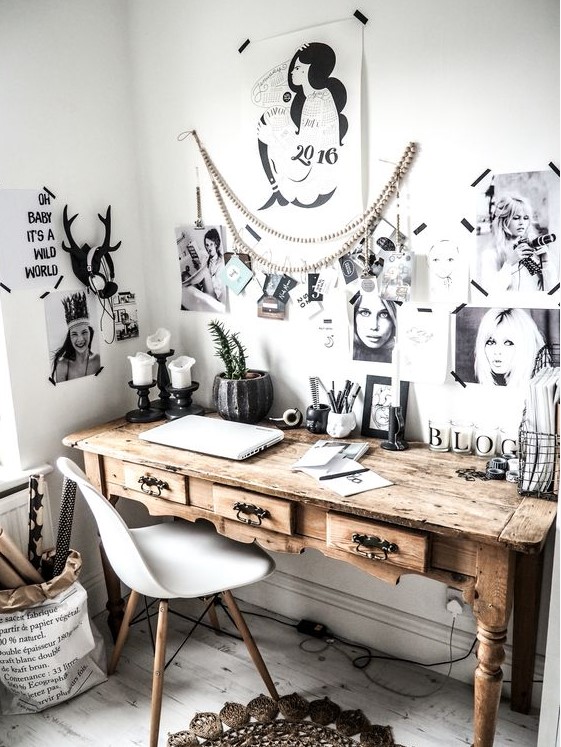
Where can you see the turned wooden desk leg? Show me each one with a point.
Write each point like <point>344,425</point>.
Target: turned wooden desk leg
<point>527,593</point>
<point>492,606</point>
<point>93,464</point>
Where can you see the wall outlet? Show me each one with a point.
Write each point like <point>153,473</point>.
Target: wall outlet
<point>454,601</point>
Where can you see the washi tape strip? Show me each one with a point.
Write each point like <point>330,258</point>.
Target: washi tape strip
<point>48,191</point>
<point>554,168</point>
<point>255,235</point>
<point>420,228</point>
<point>243,46</point>
<point>58,282</point>
<point>466,224</point>
<point>479,288</point>
<point>553,290</point>
<point>44,295</point>
<point>99,371</point>
<point>459,308</point>
<point>480,178</point>
<point>5,287</point>
<point>361,17</point>
<point>425,310</point>
<point>458,379</point>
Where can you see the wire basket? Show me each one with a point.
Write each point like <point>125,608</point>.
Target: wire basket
<point>538,464</point>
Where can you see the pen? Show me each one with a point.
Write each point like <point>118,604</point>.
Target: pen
<point>343,474</point>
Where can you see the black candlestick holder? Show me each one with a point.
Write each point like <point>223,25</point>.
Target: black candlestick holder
<point>180,403</point>
<point>145,413</point>
<point>162,379</point>
<point>396,430</point>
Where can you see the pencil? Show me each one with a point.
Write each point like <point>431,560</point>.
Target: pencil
<point>344,474</point>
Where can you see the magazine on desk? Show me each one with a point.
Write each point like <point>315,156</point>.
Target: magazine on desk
<point>335,465</point>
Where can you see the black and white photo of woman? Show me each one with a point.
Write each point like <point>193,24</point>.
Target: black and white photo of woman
<point>374,327</point>
<point>201,261</point>
<point>517,230</point>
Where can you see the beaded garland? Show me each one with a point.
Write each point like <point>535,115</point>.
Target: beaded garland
<point>356,228</point>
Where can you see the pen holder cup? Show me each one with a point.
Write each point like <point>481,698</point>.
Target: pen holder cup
<point>316,418</point>
<point>340,424</point>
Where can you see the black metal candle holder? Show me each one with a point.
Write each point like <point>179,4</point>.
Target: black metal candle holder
<point>180,402</point>
<point>145,413</point>
<point>162,379</point>
<point>396,430</point>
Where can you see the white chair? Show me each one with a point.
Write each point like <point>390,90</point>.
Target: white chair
<point>173,560</point>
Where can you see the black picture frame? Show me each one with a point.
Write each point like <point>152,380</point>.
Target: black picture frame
<point>377,398</point>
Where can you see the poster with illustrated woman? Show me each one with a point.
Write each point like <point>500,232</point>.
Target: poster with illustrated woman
<point>300,127</point>
<point>518,237</point>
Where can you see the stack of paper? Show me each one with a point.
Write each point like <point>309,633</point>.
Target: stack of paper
<point>334,464</point>
<point>538,443</point>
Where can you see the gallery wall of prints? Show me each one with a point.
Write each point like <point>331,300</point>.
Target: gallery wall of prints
<point>471,296</point>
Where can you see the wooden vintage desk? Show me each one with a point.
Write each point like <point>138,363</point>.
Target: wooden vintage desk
<point>475,536</point>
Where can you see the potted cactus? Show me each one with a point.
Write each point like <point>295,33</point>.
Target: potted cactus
<point>239,393</point>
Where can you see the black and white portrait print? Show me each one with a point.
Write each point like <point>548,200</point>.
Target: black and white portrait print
<point>517,244</point>
<point>499,346</point>
<point>201,261</point>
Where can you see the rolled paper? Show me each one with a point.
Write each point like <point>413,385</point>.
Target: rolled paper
<point>396,397</point>
<point>13,556</point>
<point>180,371</point>
<point>159,342</point>
<point>141,365</point>
<point>35,538</point>
<point>64,525</point>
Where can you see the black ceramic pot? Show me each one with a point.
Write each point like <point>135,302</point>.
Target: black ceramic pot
<point>243,400</point>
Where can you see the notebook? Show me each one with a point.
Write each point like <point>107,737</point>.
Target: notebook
<point>214,436</point>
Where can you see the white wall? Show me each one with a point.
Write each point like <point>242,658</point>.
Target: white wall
<point>95,98</point>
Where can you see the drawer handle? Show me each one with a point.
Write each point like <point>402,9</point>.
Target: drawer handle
<point>250,510</point>
<point>373,547</point>
<point>152,485</point>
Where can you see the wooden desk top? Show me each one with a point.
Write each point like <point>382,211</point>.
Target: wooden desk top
<point>427,493</point>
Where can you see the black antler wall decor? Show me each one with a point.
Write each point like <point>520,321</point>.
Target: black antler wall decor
<point>93,266</point>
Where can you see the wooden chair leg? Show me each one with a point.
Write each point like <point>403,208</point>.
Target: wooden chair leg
<point>123,631</point>
<point>158,675</point>
<point>213,617</point>
<point>250,643</point>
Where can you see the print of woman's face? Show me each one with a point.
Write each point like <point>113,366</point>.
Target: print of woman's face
<point>374,325</point>
<point>500,350</point>
<point>518,225</point>
<point>80,337</point>
<point>300,73</point>
<point>442,259</point>
<point>210,246</point>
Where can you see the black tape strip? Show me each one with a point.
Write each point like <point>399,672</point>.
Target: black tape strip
<point>355,298</point>
<point>362,18</point>
<point>243,46</point>
<point>53,382</point>
<point>420,228</point>
<point>458,379</point>
<point>44,295</point>
<point>479,288</point>
<point>99,371</point>
<point>255,235</point>
<point>554,168</point>
<point>425,310</point>
<point>459,308</point>
<point>48,191</point>
<point>480,178</point>
<point>553,290</point>
<point>58,282</point>
<point>467,224</point>
<point>5,287</point>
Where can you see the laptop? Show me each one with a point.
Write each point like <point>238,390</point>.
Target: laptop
<point>214,436</point>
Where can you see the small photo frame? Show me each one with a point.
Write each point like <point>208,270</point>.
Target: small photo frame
<point>377,400</point>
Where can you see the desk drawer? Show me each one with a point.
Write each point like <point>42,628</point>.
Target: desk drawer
<point>377,541</point>
<point>155,482</point>
<point>256,509</point>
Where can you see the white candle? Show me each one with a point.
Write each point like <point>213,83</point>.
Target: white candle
<point>396,387</point>
<point>141,365</point>
<point>159,342</point>
<point>180,371</point>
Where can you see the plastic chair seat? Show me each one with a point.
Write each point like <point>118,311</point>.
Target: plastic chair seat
<point>192,560</point>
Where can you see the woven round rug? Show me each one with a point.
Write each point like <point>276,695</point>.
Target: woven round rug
<point>292,721</point>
